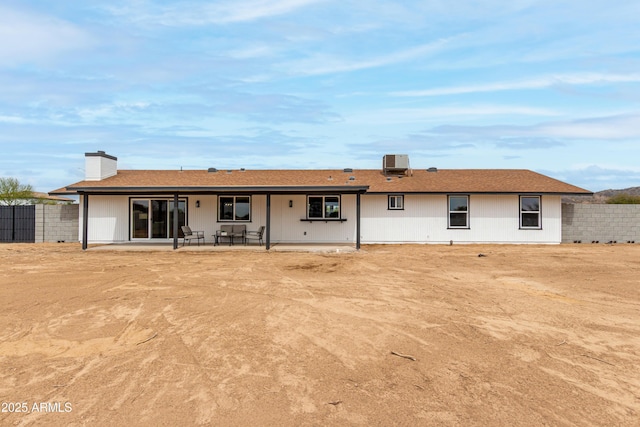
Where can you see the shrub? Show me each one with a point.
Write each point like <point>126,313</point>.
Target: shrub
<point>624,199</point>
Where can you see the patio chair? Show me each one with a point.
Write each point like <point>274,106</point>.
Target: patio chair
<point>190,235</point>
<point>255,235</point>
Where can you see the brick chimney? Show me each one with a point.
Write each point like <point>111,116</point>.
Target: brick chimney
<point>99,165</point>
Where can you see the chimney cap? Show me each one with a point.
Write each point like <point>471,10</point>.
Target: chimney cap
<point>100,153</point>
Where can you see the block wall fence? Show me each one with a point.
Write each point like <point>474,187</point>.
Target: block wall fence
<point>57,223</point>
<point>603,223</point>
<point>583,222</point>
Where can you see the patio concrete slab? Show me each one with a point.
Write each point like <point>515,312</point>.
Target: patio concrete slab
<point>276,247</point>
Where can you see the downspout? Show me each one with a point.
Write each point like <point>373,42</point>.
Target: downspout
<point>175,221</point>
<point>85,220</point>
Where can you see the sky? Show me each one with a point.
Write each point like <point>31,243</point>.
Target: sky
<point>552,86</point>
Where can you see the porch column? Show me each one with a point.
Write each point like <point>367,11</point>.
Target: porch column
<point>175,221</point>
<point>358,221</point>
<point>85,220</point>
<point>268,230</point>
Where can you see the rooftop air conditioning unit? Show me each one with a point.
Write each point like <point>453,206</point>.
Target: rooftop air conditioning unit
<point>395,163</point>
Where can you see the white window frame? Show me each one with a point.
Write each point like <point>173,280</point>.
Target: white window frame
<point>395,202</point>
<point>530,212</point>
<point>465,212</point>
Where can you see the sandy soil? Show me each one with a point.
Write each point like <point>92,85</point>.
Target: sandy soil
<point>526,335</point>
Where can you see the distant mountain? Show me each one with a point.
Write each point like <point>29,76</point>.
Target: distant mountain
<point>601,196</point>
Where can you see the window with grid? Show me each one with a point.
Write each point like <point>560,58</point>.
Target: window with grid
<point>530,212</point>
<point>458,211</point>
<point>396,202</point>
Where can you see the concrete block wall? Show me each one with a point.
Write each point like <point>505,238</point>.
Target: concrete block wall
<point>56,223</point>
<point>604,223</point>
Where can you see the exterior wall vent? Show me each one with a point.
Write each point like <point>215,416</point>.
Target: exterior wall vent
<point>212,170</point>
<point>394,163</point>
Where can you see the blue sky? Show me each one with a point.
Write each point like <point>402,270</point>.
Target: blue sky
<point>552,86</point>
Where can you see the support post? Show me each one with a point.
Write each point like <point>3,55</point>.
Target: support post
<point>268,230</point>
<point>85,220</point>
<point>175,221</point>
<point>358,221</point>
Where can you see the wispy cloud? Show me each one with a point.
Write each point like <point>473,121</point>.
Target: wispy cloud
<point>32,37</point>
<point>438,114</point>
<point>327,64</point>
<point>535,83</point>
<point>618,127</point>
<point>188,13</point>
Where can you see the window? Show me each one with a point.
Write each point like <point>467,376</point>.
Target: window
<point>323,207</point>
<point>234,208</point>
<point>530,212</point>
<point>396,202</point>
<point>458,211</point>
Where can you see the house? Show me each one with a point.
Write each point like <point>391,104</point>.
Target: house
<point>393,204</point>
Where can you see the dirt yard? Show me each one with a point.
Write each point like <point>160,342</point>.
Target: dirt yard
<point>391,335</point>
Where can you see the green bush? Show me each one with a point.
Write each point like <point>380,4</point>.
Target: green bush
<point>624,199</point>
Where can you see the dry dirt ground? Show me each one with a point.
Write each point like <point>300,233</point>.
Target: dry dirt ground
<point>525,335</point>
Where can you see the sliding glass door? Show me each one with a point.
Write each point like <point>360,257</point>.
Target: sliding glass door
<point>153,218</point>
<point>140,219</point>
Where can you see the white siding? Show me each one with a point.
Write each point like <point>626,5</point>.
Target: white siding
<point>108,219</point>
<point>286,226</point>
<point>98,168</point>
<point>492,219</point>
<point>205,218</point>
<point>109,216</point>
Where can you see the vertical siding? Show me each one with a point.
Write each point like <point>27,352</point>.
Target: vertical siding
<point>492,219</point>
<point>286,226</point>
<point>108,219</point>
<point>206,216</point>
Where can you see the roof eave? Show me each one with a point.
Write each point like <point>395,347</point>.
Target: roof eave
<point>350,189</point>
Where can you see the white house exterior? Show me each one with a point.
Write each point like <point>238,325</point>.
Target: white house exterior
<point>390,205</point>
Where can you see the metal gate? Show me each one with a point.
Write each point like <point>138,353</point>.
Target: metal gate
<point>18,224</point>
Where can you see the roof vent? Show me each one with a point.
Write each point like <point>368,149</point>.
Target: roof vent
<point>395,163</point>
<point>352,178</point>
<point>388,179</point>
<point>229,170</point>
<point>242,169</point>
<point>211,170</point>
<point>432,170</point>
<point>347,170</point>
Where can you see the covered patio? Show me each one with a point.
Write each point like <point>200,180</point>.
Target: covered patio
<point>209,247</point>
